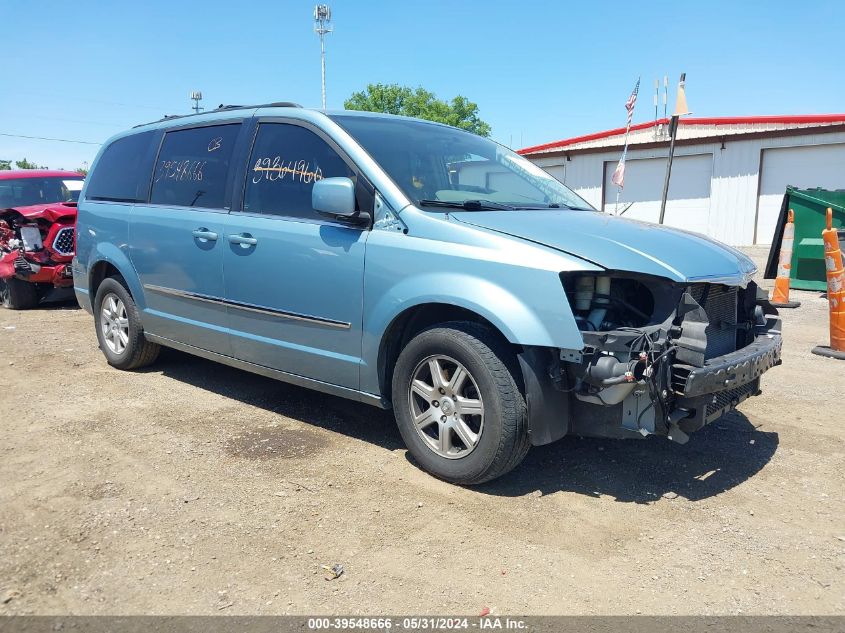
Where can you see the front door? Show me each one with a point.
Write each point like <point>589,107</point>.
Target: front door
<point>177,239</point>
<point>294,279</point>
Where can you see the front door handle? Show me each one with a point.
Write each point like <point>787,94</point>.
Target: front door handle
<point>204,234</point>
<point>244,239</point>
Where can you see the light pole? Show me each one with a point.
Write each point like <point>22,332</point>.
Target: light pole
<point>322,26</point>
<point>196,95</point>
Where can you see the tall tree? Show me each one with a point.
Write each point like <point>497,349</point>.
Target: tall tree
<point>5,164</point>
<point>420,103</point>
<point>25,164</point>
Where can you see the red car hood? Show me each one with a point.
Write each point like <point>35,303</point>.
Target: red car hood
<point>52,212</point>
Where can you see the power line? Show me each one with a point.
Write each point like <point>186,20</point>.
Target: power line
<point>114,103</point>
<point>44,138</point>
<point>64,120</point>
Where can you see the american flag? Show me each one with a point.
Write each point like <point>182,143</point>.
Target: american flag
<point>618,177</point>
<point>631,102</point>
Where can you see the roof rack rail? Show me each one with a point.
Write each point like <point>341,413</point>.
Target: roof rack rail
<point>224,108</point>
<point>275,104</point>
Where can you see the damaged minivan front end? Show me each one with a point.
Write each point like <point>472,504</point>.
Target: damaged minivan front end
<point>662,357</point>
<point>674,331</point>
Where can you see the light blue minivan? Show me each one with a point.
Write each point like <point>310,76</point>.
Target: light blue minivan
<point>413,266</point>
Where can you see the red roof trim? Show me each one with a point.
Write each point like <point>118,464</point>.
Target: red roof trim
<point>38,173</point>
<point>727,120</point>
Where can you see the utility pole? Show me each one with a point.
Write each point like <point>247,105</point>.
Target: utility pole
<point>323,26</point>
<point>196,95</point>
<point>680,110</point>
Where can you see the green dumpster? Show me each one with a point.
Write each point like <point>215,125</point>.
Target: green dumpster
<point>810,206</point>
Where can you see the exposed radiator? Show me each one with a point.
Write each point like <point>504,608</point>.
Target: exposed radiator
<point>720,304</point>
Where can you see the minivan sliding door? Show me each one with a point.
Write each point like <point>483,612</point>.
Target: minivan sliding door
<point>177,238</point>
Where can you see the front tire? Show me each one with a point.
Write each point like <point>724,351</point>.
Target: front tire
<point>119,329</point>
<point>16,294</point>
<point>458,404</point>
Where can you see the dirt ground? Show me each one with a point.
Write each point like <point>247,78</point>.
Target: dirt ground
<point>195,488</point>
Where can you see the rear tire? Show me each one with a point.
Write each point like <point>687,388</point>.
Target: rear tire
<point>465,430</point>
<point>119,329</point>
<point>16,294</point>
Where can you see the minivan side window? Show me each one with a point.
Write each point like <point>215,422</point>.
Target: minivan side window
<point>285,162</point>
<point>193,167</point>
<point>122,174</point>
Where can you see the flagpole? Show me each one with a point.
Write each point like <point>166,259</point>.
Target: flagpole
<point>620,168</point>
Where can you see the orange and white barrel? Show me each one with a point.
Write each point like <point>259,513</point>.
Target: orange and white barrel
<point>780,295</point>
<point>835,292</point>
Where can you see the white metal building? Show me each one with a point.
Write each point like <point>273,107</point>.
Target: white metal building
<point>728,174</point>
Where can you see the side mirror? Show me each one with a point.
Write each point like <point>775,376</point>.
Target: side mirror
<point>334,197</point>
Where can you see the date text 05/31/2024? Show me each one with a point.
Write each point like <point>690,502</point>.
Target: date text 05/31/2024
<point>484,623</point>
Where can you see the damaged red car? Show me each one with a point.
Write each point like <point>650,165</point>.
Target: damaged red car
<point>37,235</point>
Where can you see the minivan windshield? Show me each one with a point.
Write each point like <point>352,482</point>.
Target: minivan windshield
<point>441,168</point>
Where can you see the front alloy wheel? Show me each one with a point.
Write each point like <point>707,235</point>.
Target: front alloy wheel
<point>446,407</point>
<point>458,403</point>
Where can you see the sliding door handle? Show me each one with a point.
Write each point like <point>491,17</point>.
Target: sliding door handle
<point>204,234</point>
<point>244,239</point>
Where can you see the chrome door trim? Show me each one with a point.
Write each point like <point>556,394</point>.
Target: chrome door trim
<point>249,307</point>
<point>183,293</point>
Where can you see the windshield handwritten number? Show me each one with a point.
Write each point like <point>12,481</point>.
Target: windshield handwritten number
<point>215,143</point>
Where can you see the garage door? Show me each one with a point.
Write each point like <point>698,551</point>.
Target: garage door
<point>804,167</point>
<point>688,203</point>
<point>510,182</point>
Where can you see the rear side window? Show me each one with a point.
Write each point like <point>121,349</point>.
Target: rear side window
<point>122,173</point>
<point>285,163</point>
<point>193,167</point>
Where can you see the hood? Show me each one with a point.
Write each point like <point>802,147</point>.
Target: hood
<point>52,212</point>
<point>616,243</point>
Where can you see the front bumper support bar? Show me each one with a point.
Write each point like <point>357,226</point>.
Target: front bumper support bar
<point>731,370</point>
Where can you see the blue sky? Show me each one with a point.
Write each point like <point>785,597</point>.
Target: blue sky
<point>539,71</point>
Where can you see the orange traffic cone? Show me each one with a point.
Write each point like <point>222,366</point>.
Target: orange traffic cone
<point>835,292</point>
<point>780,296</point>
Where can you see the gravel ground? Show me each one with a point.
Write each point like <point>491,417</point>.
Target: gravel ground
<point>194,488</point>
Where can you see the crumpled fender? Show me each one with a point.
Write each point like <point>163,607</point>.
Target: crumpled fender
<point>7,265</point>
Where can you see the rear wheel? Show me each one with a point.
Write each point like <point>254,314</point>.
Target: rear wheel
<point>16,294</point>
<point>119,329</point>
<point>458,404</point>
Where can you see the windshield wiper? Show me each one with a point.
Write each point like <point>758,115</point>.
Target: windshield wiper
<point>559,205</point>
<point>469,205</point>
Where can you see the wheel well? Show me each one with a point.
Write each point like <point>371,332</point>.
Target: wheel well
<point>410,323</point>
<point>99,272</point>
